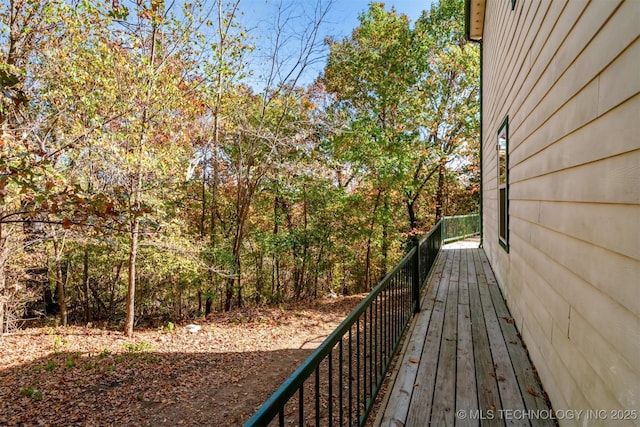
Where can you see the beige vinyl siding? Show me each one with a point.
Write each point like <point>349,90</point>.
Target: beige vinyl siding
<point>567,74</point>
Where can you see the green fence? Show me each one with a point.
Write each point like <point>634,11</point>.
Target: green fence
<point>460,227</point>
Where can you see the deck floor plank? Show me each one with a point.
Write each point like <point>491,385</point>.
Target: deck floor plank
<point>486,383</point>
<point>405,381</point>
<point>503,370</point>
<point>420,414</point>
<point>466,391</point>
<point>530,388</point>
<point>444,398</point>
<point>464,353</point>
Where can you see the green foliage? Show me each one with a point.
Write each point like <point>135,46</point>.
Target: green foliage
<point>59,343</point>
<point>167,329</point>
<point>136,347</point>
<point>31,393</point>
<point>70,362</point>
<point>140,145</point>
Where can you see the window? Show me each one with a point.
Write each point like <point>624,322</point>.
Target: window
<point>503,184</point>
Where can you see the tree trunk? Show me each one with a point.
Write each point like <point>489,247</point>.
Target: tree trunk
<point>385,238</point>
<point>440,192</point>
<point>367,261</point>
<point>112,289</point>
<point>229,294</point>
<point>3,277</point>
<point>203,213</point>
<point>131,282</point>
<point>259,277</point>
<point>62,303</point>
<point>275,269</point>
<point>58,246</point>
<point>85,282</point>
<point>413,218</point>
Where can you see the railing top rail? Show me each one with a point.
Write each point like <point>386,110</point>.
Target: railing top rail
<point>433,230</point>
<point>462,216</point>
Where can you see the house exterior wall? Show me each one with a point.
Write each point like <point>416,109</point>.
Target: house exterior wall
<point>567,76</point>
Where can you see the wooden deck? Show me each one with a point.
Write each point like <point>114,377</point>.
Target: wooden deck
<point>463,362</point>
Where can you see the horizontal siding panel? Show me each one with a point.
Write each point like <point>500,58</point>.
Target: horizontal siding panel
<point>623,69</point>
<point>613,227</point>
<point>514,56</point>
<point>584,376</point>
<point>537,311</point>
<point>569,74</point>
<point>527,210</point>
<point>559,385</point>
<point>554,257</point>
<point>609,135</point>
<point>498,21</point>
<point>539,81</point>
<point>521,228</point>
<point>580,110</point>
<point>541,43</point>
<point>518,95</point>
<point>611,180</point>
<point>581,35</point>
<point>615,371</point>
<point>542,34</point>
<point>610,273</point>
<point>555,306</point>
<point>566,74</point>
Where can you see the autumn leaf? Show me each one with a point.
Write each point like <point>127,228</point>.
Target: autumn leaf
<point>66,223</point>
<point>533,392</point>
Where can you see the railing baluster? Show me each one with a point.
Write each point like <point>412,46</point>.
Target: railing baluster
<point>301,405</point>
<point>364,359</point>
<point>330,380</point>
<point>385,322</point>
<point>318,395</point>
<point>358,369</point>
<point>370,356</point>
<point>351,376</point>
<point>374,352</point>
<point>340,384</point>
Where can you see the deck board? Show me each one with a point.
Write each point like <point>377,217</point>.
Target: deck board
<point>425,382</point>
<point>466,391</point>
<point>463,353</point>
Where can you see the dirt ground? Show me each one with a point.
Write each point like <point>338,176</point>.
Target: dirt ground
<point>217,376</point>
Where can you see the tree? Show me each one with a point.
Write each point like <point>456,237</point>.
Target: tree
<point>124,92</point>
<point>261,132</point>
<point>23,161</point>
<point>449,75</point>
<point>412,95</point>
<point>373,75</point>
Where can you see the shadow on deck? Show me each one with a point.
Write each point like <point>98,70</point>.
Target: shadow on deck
<point>463,362</point>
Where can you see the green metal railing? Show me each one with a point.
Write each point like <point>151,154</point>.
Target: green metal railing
<point>339,381</point>
<point>460,227</point>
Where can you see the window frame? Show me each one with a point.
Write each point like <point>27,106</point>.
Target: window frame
<point>503,183</point>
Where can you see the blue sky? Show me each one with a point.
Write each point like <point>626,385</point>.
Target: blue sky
<point>343,17</point>
<point>340,22</point>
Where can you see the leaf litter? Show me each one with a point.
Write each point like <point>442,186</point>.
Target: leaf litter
<point>219,375</point>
